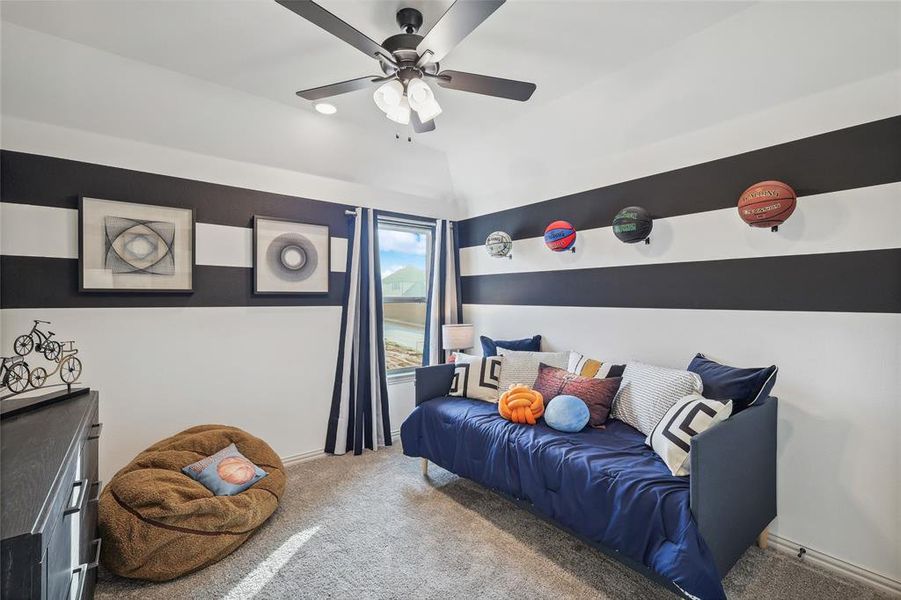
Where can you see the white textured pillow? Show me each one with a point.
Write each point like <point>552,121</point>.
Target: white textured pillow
<point>671,438</point>
<point>476,377</point>
<point>522,367</point>
<point>647,392</point>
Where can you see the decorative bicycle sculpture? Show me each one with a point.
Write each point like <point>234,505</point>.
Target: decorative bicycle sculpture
<point>37,340</point>
<point>15,374</point>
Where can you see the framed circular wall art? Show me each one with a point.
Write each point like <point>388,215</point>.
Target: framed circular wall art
<point>290,257</point>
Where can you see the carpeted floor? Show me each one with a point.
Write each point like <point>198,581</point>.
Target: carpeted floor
<point>372,527</point>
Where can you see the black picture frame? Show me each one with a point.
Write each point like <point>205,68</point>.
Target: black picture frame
<point>328,260</point>
<point>81,265</point>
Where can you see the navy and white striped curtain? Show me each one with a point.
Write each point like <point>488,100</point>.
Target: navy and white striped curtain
<point>359,414</point>
<point>444,306</point>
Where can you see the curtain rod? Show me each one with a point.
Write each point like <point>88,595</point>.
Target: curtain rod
<point>353,213</point>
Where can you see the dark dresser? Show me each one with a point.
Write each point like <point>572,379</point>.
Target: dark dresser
<point>48,498</point>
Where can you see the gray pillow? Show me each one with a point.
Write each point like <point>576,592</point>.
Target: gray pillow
<point>522,367</point>
<point>647,392</point>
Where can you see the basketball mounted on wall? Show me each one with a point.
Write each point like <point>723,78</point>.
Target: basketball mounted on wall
<point>632,225</point>
<point>767,204</point>
<point>498,244</point>
<point>560,236</point>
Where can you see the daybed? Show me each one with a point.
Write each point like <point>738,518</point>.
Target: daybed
<point>608,488</point>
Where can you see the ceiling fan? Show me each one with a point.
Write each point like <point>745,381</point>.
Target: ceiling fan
<point>407,59</point>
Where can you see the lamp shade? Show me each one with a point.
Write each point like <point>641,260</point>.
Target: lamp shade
<point>456,337</point>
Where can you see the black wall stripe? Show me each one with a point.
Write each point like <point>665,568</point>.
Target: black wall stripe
<point>37,282</point>
<point>866,281</point>
<point>57,182</point>
<point>859,156</point>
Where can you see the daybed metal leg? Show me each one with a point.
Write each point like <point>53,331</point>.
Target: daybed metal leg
<point>763,540</point>
<point>425,467</point>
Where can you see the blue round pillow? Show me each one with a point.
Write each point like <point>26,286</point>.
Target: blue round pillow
<point>566,413</point>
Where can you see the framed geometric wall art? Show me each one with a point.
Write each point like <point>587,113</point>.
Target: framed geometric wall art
<point>128,247</point>
<point>290,257</point>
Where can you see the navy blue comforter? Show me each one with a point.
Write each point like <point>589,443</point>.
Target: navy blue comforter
<point>604,485</point>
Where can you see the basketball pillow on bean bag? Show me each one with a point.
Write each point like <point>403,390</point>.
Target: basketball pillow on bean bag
<point>158,524</point>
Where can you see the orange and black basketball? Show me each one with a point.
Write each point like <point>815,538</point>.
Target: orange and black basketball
<point>767,204</point>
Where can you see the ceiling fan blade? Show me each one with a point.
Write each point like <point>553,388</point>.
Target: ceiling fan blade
<point>317,15</point>
<point>485,85</point>
<point>419,126</point>
<point>459,21</point>
<point>335,89</point>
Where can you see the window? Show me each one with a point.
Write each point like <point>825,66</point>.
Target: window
<point>405,251</point>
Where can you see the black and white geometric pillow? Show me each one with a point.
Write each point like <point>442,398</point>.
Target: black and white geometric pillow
<point>477,377</point>
<point>671,438</point>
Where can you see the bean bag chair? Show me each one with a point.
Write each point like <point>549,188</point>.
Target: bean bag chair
<point>158,524</point>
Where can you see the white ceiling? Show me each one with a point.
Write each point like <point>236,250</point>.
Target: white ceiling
<point>261,48</point>
<point>218,78</point>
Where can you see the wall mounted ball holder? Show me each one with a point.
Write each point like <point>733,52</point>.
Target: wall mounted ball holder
<point>767,204</point>
<point>560,236</point>
<point>499,244</point>
<point>633,224</point>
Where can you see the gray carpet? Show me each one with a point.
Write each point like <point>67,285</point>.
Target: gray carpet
<point>372,527</point>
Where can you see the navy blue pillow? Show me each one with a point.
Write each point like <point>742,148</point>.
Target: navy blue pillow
<point>743,386</point>
<point>490,346</point>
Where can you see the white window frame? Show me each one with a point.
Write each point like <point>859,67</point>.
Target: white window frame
<point>411,226</point>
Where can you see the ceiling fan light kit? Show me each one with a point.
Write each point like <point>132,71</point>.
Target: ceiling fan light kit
<point>422,100</point>
<point>407,58</point>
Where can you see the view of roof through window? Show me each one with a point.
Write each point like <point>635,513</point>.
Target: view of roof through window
<point>404,256</point>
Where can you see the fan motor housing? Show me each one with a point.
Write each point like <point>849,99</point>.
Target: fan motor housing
<point>409,20</point>
<point>403,47</point>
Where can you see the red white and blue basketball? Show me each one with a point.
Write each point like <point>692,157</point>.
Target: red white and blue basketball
<point>560,236</point>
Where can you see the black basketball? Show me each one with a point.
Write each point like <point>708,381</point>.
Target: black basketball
<point>632,224</point>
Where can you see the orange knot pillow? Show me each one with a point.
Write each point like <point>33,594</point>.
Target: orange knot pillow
<point>521,404</point>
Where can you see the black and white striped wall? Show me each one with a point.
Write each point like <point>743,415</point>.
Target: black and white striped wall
<point>821,298</point>
<point>164,362</point>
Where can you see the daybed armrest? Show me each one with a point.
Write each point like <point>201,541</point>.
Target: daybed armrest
<point>733,481</point>
<point>433,382</point>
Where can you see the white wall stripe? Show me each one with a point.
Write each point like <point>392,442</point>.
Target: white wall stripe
<point>223,245</point>
<point>339,255</point>
<point>845,221</point>
<point>27,230</point>
<point>31,230</point>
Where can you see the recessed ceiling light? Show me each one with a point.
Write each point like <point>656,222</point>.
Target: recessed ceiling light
<point>325,108</point>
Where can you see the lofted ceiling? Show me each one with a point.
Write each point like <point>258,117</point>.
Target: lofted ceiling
<point>218,77</point>
<point>261,48</point>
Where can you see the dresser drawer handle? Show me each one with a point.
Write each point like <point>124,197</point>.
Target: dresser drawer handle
<point>95,436</point>
<point>74,507</point>
<point>78,591</point>
<point>93,564</point>
<point>96,497</point>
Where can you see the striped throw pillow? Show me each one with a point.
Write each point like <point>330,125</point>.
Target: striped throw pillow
<point>647,392</point>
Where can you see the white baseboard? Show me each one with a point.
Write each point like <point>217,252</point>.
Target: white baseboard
<point>294,459</point>
<point>302,457</point>
<point>836,565</point>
